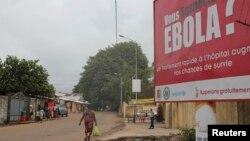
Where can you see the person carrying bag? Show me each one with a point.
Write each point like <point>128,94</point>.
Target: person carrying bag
<point>89,120</point>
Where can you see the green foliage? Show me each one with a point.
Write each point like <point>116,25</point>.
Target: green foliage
<point>21,75</point>
<point>1,77</point>
<point>187,134</point>
<point>100,81</point>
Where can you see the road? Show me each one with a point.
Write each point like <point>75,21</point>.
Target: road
<point>61,129</point>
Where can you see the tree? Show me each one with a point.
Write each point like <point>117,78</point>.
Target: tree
<point>100,80</point>
<point>1,77</point>
<point>21,75</point>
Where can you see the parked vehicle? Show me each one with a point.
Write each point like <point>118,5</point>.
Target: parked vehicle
<point>62,111</point>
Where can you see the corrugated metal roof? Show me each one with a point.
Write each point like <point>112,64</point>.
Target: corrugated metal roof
<point>71,97</point>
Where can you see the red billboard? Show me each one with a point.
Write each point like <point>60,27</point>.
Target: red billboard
<point>202,50</point>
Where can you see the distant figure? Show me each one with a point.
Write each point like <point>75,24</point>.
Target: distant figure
<point>152,118</point>
<point>30,112</point>
<point>89,119</point>
<point>46,110</point>
<point>142,117</point>
<point>41,113</point>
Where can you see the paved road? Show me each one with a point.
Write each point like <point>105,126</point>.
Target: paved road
<point>62,129</point>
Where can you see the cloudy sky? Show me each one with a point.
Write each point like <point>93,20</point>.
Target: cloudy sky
<point>62,34</point>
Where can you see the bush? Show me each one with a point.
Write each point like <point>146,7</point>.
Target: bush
<point>187,134</point>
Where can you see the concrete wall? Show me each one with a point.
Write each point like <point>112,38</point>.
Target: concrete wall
<point>129,109</point>
<point>3,109</point>
<point>73,107</point>
<point>76,107</point>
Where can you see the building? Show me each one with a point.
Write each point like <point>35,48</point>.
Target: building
<point>73,102</point>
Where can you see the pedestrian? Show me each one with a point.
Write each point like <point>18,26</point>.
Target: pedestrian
<point>30,112</point>
<point>152,118</point>
<point>142,118</point>
<point>46,110</point>
<point>89,119</point>
<point>41,113</point>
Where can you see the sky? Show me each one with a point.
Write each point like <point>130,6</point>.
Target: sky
<point>63,34</point>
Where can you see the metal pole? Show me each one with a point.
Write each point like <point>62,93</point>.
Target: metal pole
<point>136,78</point>
<point>134,114</point>
<point>121,99</point>
<point>135,74</point>
<point>116,21</point>
<point>136,68</point>
<point>135,62</point>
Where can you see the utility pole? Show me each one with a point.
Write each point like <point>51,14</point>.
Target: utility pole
<point>116,22</point>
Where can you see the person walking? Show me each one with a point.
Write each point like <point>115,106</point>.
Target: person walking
<point>39,113</point>
<point>89,119</point>
<point>30,112</point>
<point>152,118</point>
<point>46,110</point>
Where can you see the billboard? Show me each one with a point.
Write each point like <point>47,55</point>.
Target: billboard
<point>136,85</point>
<point>201,50</point>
